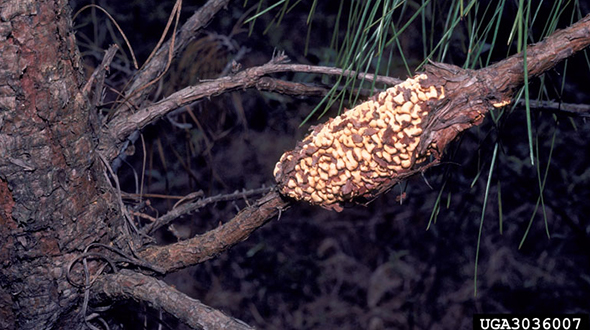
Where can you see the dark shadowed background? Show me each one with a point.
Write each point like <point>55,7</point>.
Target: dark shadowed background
<point>368,267</point>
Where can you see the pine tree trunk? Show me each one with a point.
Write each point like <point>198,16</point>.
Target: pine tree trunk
<point>54,197</point>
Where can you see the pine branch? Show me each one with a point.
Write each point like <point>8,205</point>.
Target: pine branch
<point>122,125</point>
<point>363,153</point>
<point>204,247</point>
<point>191,206</point>
<point>129,285</point>
<point>158,62</point>
<point>468,96</point>
<point>570,109</point>
<point>471,94</point>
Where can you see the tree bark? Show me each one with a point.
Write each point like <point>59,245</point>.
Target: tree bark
<point>55,198</point>
<point>132,285</point>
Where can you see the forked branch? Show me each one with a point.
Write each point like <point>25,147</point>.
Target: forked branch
<point>450,100</point>
<point>123,125</point>
<point>362,153</point>
<point>424,114</point>
<point>159,61</point>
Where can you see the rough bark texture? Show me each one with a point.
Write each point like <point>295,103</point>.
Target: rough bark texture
<point>340,162</point>
<point>131,285</point>
<point>471,94</point>
<point>155,67</point>
<point>50,183</point>
<point>204,247</point>
<point>55,199</point>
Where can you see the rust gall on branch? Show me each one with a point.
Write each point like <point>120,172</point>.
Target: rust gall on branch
<point>357,153</point>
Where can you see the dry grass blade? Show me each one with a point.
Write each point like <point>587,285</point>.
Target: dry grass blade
<point>116,25</point>
<point>174,16</point>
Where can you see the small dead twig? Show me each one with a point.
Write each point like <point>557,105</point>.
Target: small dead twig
<point>289,87</point>
<point>110,261</point>
<point>158,62</point>
<point>174,16</point>
<point>340,72</point>
<point>122,206</point>
<point>88,281</point>
<point>580,110</point>
<point>181,209</point>
<point>190,197</point>
<point>99,74</point>
<point>123,125</point>
<point>143,215</point>
<point>116,25</point>
<point>297,89</point>
<point>208,245</point>
<point>119,195</point>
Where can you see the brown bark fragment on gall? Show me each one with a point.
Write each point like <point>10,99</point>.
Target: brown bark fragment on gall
<point>464,106</point>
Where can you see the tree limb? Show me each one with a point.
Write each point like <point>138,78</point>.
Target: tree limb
<point>129,285</point>
<point>497,82</point>
<point>210,244</point>
<point>363,153</point>
<point>123,125</point>
<point>469,96</point>
<point>290,88</point>
<point>580,110</point>
<point>297,89</point>
<point>157,64</point>
<point>191,206</point>
<point>508,75</point>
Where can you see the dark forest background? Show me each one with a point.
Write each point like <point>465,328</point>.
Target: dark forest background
<point>405,261</point>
